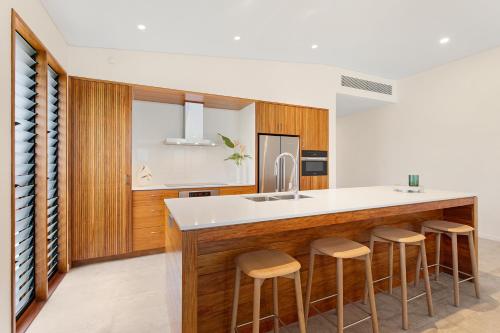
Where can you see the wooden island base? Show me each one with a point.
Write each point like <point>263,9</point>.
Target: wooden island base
<point>200,263</point>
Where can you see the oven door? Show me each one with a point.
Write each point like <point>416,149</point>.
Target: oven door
<point>314,166</point>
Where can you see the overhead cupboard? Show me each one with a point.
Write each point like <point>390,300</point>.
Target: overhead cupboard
<point>39,169</point>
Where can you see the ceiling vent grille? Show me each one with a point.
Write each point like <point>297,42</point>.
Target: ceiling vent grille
<point>352,82</point>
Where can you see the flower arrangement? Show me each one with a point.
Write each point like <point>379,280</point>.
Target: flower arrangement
<point>239,150</point>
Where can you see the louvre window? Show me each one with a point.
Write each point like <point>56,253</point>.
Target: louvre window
<point>25,114</point>
<point>52,172</point>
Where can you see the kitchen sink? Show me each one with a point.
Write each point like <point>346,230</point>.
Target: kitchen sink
<point>290,197</point>
<point>275,197</point>
<point>262,199</point>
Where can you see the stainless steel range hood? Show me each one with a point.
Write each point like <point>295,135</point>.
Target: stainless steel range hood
<point>193,127</point>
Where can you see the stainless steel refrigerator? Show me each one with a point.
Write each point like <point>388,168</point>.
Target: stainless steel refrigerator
<point>270,146</point>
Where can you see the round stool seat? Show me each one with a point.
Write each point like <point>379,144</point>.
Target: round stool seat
<point>398,235</point>
<point>446,226</point>
<point>339,247</point>
<point>265,264</point>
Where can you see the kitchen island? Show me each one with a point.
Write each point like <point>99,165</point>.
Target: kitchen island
<point>204,235</point>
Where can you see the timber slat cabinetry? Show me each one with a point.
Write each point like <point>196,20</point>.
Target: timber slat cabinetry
<point>149,214</point>
<point>100,148</point>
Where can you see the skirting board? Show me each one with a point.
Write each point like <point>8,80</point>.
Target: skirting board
<point>489,237</point>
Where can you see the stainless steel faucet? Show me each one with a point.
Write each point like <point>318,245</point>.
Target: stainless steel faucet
<point>295,172</point>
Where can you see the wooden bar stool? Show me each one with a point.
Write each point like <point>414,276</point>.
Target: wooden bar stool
<point>402,237</point>
<point>452,230</point>
<point>262,265</point>
<point>340,249</point>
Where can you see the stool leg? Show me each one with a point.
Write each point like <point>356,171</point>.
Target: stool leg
<point>236,298</point>
<point>309,284</point>
<point>419,262</point>
<point>404,291</point>
<point>391,266</point>
<point>438,254</point>
<point>340,296</point>
<point>454,251</point>
<point>300,308</point>
<point>428,292</point>
<point>372,246</point>
<point>275,305</point>
<point>473,259</point>
<point>257,284</point>
<point>371,293</point>
<point>418,269</point>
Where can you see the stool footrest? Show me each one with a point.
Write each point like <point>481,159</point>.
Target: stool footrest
<point>261,319</point>
<point>332,296</point>
<point>398,298</point>
<point>381,279</point>
<point>470,277</point>
<point>348,325</point>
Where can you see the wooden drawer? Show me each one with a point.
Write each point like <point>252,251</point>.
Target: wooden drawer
<point>148,221</point>
<point>237,190</point>
<point>148,198</point>
<point>145,211</point>
<point>148,238</point>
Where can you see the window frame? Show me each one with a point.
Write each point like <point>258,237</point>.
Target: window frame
<point>43,287</point>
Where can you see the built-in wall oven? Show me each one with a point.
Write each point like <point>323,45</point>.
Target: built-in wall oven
<point>314,163</point>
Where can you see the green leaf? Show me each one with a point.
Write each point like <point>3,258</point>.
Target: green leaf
<point>227,141</point>
<point>233,156</point>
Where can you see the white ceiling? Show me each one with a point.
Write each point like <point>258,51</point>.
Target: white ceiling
<point>349,104</point>
<point>388,38</point>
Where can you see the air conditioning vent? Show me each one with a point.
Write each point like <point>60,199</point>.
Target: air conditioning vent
<point>352,82</point>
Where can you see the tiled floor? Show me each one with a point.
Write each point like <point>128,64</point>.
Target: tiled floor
<point>129,296</point>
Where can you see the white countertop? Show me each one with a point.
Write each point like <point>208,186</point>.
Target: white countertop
<point>209,212</point>
<point>181,186</point>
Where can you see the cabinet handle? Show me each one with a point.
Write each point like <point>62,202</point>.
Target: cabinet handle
<point>154,232</point>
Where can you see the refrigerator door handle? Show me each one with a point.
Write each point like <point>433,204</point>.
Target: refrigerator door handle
<point>277,187</point>
<point>283,176</point>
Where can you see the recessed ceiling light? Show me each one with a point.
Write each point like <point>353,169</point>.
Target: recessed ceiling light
<point>444,40</point>
<point>141,27</point>
<point>236,37</point>
<point>314,46</point>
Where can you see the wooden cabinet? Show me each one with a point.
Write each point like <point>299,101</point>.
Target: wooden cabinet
<point>313,183</point>
<point>100,155</point>
<point>149,219</point>
<point>311,124</point>
<point>233,190</point>
<point>273,118</point>
<point>314,129</point>
<point>149,215</point>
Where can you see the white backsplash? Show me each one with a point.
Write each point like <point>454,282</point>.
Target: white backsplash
<point>153,122</point>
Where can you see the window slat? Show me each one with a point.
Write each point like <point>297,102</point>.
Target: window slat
<point>52,182</point>
<point>24,146</point>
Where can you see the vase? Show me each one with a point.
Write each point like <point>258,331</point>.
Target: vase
<point>238,173</point>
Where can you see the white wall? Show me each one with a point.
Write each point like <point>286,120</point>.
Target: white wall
<point>35,16</point>
<point>153,122</point>
<point>446,127</point>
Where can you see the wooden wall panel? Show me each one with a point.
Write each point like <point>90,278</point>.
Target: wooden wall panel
<point>100,159</point>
